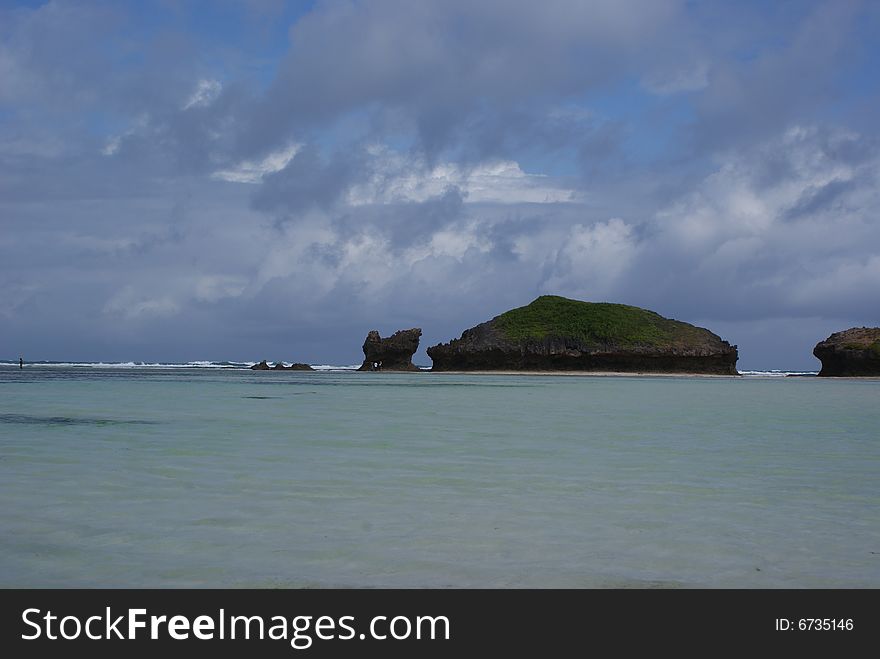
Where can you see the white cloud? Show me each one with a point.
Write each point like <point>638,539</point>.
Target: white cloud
<point>746,198</point>
<point>790,222</point>
<point>205,93</point>
<point>454,241</point>
<point>505,182</point>
<point>592,258</point>
<point>140,124</point>
<point>252,171</point>
<point>400,179</point>
<point>112,145</point>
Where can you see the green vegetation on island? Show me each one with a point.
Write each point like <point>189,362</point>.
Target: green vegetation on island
<point>597,323</point>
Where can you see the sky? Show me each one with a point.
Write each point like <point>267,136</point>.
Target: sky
<point>258,179</point>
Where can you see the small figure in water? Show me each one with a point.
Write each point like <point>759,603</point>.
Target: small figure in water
<point>21,362</point>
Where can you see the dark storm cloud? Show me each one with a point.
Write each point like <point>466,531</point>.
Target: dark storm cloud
<point>762,88</point>
<point>394,164</point>
<point>822,197</point>
<point>450,67</point>
<point>310,180</point>
<point>404,224</point>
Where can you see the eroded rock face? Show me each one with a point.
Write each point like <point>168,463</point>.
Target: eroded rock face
<point>262,366</point>
<point>557,334</point>
<point>852,353</point>
<point>393,353</point>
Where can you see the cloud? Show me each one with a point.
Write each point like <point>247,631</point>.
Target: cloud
<point>311,179</point>
<point>206,92</point>
<point>397,178</point>
<point>249,171</point>
<point>783,227</point>
<point>591,259</point>
<point>129,305</point>
<point>442,68</point>
<point>212,288</point>
<point>765,87</point>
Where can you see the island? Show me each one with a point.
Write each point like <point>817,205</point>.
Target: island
<point>279,366</point>
<point>559,334</point>
<point>393,353</point>
<point>851,353</point>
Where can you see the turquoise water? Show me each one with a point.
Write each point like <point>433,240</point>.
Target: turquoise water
<point>188,477</point>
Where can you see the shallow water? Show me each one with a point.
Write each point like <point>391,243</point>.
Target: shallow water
<point>185,477</point>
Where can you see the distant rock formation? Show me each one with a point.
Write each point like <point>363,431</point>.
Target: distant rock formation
<point>854,352</point>
<point>296,366</point>
<point>279,366</point>
<point>393,353</point>
<point>558,334</point>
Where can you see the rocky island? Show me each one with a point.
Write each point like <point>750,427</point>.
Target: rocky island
<point>279,366</point>
<point>853,352</point>
<point>393,353</point>
<point>558,334</point>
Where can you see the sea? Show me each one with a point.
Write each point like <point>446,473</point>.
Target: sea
<point>208,474</point>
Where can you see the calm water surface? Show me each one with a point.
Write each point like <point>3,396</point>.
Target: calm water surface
<point>188,477</point>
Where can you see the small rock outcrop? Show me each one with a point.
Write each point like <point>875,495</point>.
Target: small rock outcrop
<point>279,366</point>
<point>393,353</point>
<point>558,334</point>
<point>852,353</point>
